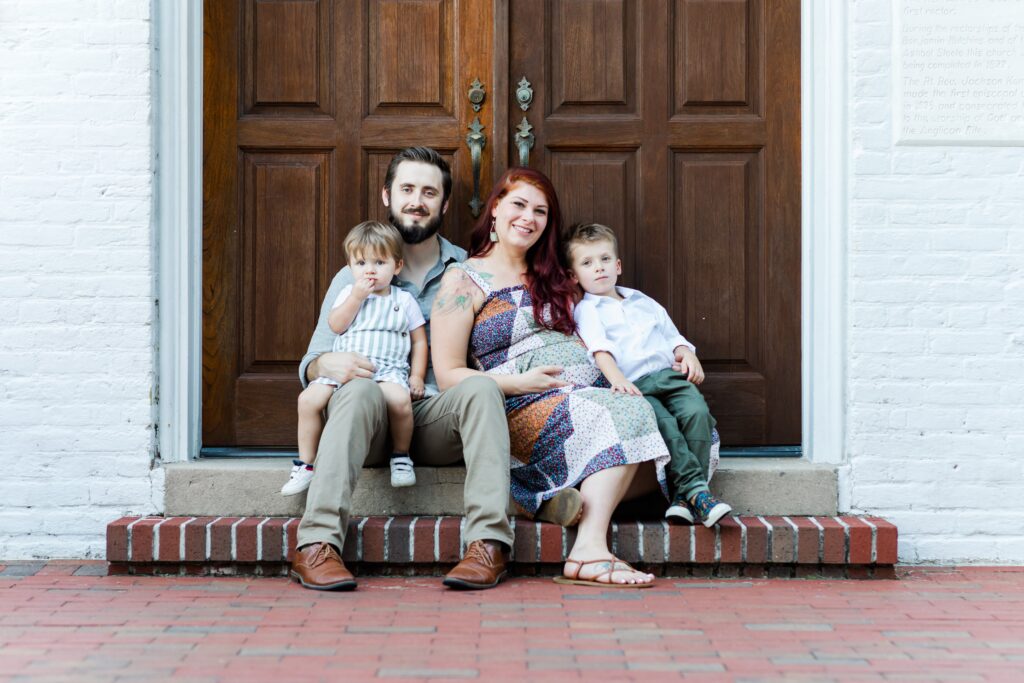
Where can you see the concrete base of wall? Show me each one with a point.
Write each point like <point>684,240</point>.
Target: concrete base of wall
<point>242,487</point>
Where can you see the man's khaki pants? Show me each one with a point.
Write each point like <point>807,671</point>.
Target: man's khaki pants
<point>466,422</point>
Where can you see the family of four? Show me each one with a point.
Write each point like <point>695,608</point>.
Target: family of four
<point>542,375</point>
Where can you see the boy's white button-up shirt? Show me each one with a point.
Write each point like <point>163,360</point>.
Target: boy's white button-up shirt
<point>636,331</point>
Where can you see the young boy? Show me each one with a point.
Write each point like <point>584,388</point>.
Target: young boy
<point>634,343</point>
<point>384,323</point>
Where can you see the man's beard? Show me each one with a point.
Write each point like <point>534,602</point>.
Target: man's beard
<point>414,234</point>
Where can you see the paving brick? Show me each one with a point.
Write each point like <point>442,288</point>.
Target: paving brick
<point>291,538</point>
<point>886,541</point>
<point>450,539</point>
<point>398,539</point>
<point>654,542</point>
<point>859,540</point>
<point>679,543</point>
<point>141,534</point>
<point>350,551</point>
<point>525,542</point>
<point>808,538</point>
<point>273,539</point>
<point>730,535</point>
<point>373,539</point>
<point>195,539</point>
<point>423,539</point>
<point>757,540</point>
<point>220,539</point>
<point>245,539</point>
<point>834,547</point>
<point>783,545</point>
<point>117,539</point>
<point>627,541</point>
<point>169,543</point>
<point>704,544</point>
<point>551,543</point>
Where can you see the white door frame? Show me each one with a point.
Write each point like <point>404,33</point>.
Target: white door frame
<point>177,217</point>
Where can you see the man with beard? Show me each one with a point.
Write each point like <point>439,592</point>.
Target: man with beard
<point>466,423</point>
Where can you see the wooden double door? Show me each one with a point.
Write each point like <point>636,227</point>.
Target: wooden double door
<point>675,122</point>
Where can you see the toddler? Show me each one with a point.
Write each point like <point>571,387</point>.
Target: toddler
<point>383,323</point>
<point>634,343</point>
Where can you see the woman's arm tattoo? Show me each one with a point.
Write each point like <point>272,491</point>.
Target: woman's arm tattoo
<point>456,293</point>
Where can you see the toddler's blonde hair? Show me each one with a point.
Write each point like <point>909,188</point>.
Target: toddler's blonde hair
<point>373,237</point>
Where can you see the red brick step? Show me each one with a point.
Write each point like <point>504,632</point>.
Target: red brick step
<point>847,545</point>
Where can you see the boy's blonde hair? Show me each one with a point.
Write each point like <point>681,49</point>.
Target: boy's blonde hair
<point>373,237</point>
<point>579,233</point>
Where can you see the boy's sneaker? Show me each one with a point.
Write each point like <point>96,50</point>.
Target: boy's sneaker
<point>709,509</point>
<point>402,473</point>
<point>679,512</point>
<point>302,475</point>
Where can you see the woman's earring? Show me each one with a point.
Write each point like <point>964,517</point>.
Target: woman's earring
<point>494,233</point>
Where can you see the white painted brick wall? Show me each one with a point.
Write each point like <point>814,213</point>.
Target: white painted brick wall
<point>76,274</point>
<point>935,422</point>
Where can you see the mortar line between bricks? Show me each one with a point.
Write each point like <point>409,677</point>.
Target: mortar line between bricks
<point>437,540</point>
<point>209,541</point>
<point>796,539</point>
<point>693,544</point>
<point>234,539</point>
<point>359,538</point>
<point>259,539</point>
<point>769,547</point>
<point>718,545</point>
<point>874,540</point>
<point>181,539</point>
<point>412,539</point>
<point>156,538</point>
<point>512,548</point>
<point>640,540</point>
<point>664,539</point>
<point>821,539</point>
<point>284,538</point>
<point>462,538</point>
<point>846,539</point>
<point>128,534</point>
<point>537,531</point>
<point>743,538</point>
<point>615,539</point>
<point>387,539</point>
<point>565,542</point>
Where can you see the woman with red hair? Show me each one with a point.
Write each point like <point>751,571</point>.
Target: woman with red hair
<point>508,310</point>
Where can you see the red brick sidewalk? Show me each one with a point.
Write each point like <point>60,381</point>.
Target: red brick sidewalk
<point>61,622</point>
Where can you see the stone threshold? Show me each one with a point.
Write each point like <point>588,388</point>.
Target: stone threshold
<point>751,546</point>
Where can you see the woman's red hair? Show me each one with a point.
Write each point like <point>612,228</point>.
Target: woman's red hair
<point>546,276</point>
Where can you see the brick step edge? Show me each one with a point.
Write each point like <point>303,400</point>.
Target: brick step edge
<point>846,540</point>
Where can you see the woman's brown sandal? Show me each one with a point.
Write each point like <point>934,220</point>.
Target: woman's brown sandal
<point>616,565</point>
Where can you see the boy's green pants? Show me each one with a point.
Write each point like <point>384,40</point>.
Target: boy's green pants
<point>685,424</point>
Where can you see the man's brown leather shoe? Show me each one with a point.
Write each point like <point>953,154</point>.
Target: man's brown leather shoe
<point>318,566</point>
<point>484,566</point>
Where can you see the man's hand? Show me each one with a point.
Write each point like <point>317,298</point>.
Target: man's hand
<point>341,366</point>
<point>416,387</point>
<point>687,363</point>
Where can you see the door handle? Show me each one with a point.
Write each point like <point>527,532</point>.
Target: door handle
<point>476,141</point>
<point>524,141</point>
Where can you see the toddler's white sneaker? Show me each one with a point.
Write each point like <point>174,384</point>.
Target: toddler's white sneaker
<point>402,472</point>
<point>301,476</point>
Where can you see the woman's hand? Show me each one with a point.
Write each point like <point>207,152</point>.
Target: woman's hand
<point>540,379</point>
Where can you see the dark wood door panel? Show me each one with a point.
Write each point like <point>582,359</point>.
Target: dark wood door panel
<point>657,118</point>
<point>305,102</point>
